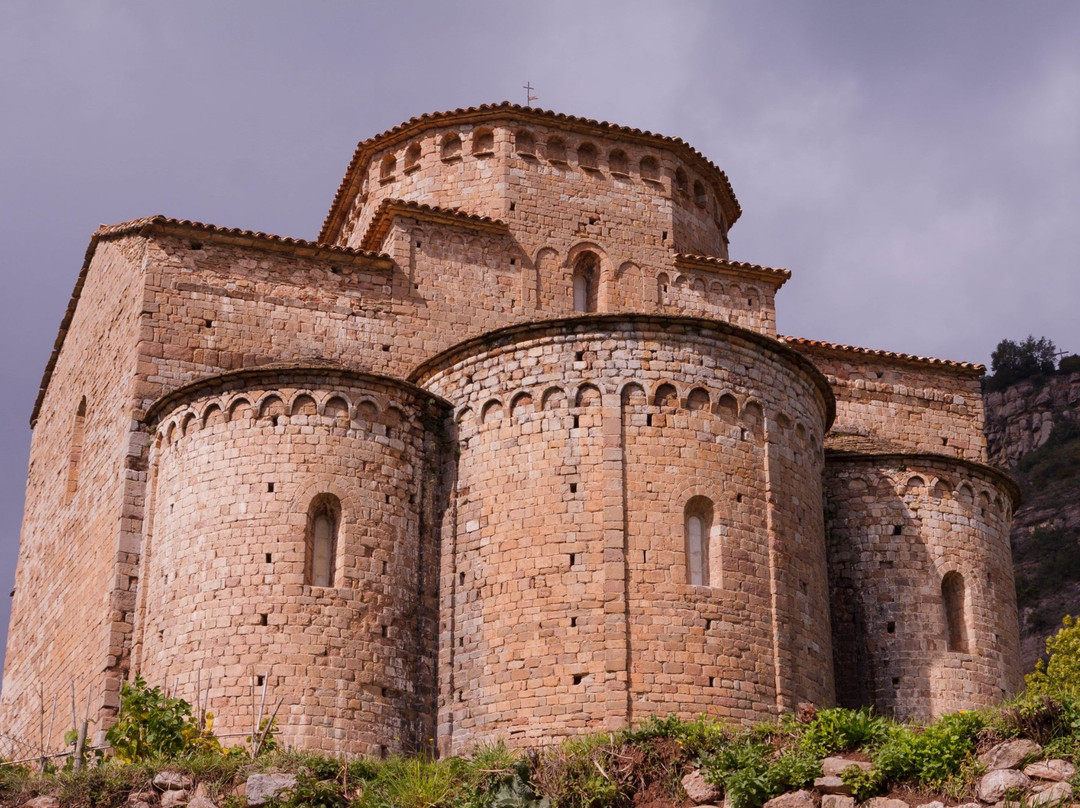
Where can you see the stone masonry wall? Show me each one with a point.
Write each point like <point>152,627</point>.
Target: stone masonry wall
<point>918,405</point>
<point>225,598</point>
<point>569,610</point>
<point>896,528</point>
<point>539,170</point>
<point>66,626</point>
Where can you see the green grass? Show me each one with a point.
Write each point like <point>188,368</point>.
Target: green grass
<point>611,770</point>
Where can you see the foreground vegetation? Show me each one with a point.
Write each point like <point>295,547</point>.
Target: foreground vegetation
<point>640,767</point>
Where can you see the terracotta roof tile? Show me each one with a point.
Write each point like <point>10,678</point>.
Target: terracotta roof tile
<point>774,274</point>
<point>388,208</point>
<point>488,111</point>
<point>799,342</point>
<point>164,223</point>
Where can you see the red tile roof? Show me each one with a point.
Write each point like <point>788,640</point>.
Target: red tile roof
<point>812,344</point>
<point>772,274</point>
<point>234,235</point>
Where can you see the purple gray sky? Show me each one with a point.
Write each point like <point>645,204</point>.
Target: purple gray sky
<point>915,164</point>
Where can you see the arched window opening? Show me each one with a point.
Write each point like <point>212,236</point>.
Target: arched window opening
<point>682,184</point>
<point>324,517</point>
<point>618,163</point>
<point>78,429</point>
<point>700,197</point>
<point>650,169</point>
<point>387,168</point>
<point>483,142</point>
<point>666,396</point>
<point>953,598</point>
<point>662,281</point>
<point>586,281</point>
<point>587,156</point>
<point>412,157</point>
<point>524,143</point>
<point>556,150</point>
<point>451,148</point>
<point>697,521</point>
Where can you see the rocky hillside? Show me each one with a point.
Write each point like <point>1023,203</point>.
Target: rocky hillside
<point>1033,432</point>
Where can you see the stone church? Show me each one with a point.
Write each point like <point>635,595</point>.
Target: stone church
<point>513,450</point>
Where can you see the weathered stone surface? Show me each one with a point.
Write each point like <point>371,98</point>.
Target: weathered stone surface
<point>201,802</point>
<point>699,791</point>
<point>835,766</point>
<point>793,799</point>
<point>934,804</point>
<point>1055,770</point>
<point>837,801</point>
<point>137,799</point>
<point>1052,795</point>
<point>884,802</point>
<point>172,781</point>
<point>173,798</point>
<point>43,801</point>
<point>261,787</point>
<point>832,784</point>
<point>993,785</point>
<point>1010,754</point>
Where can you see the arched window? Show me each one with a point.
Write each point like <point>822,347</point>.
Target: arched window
<point>650,169</point>
<point>78,428</point>
<point>483,142</point>
<point>451,147</point>
<point>324,517</point>
<point>524,143</point>
<point>682,184</point>
<point>412,157</point>
<point>586,279</point>
<point>618,163</point>
<point>556,150</point>
<point>701,198</point>
<point>387,168</point>
<point>698,525</point>
<point>587,156</point>
<point>953,598</point>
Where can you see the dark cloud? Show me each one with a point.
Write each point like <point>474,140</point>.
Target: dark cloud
<point>914,164</point>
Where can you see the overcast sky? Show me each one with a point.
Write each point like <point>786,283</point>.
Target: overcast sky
<point>915,164</point>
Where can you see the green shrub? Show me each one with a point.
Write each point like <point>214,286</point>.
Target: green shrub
<point>413,783</point>
<point>311,792</point>
<point>1069,364</point>
<point>842,730</point>
<point>152,725</point>
<point>1015,361</point>
<point>751,772</point>
<point>700,735</point>
<point>932,757</point>
<point>1059,674</point>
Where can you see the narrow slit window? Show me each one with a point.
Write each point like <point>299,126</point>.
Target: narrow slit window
<point>78,429</point>
<point>323,521</point>
<point>586,280</point>
<point>953,598</point>
<point>698,525</point>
